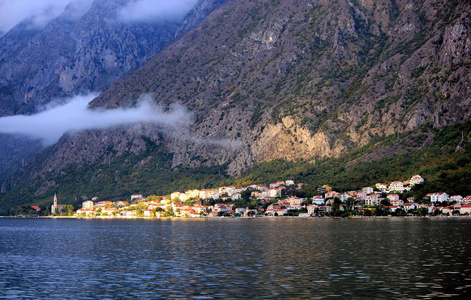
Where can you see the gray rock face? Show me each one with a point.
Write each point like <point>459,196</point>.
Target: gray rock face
<point>72,56</point>
<point>294,80</point>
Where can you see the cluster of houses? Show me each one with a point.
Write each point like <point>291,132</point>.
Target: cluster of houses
<point>178,204</point>
<point>272,201</point>
<point>371,197</point>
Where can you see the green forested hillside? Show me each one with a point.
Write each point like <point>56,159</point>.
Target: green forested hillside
<point>345,93</point>
<point>442,157</point>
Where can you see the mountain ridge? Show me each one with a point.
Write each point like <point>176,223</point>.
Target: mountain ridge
<point>290,80</point>
<point>75,55</point>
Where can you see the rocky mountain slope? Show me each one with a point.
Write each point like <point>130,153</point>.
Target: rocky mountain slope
<point>71,56</point>
<point>75,55</point>
<point>291,80</point>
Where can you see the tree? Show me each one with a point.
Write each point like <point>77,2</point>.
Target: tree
<point>139,212</point>
<point>422,211</point>
<point>153,198</point>
<point>336,207</point>
<point>350,203</point>
<point>169,212</point>
<point>67,210</point>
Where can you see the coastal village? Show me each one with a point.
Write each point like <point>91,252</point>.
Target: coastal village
<point>276,199</point>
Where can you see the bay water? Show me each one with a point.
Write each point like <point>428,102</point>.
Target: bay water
<point>274,258</point>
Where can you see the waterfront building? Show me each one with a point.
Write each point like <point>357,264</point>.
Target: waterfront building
<point>87,205</point>
<point>438,197</point>
<point>372,199</point>
<point>465,209</point>
<point>56,208</point>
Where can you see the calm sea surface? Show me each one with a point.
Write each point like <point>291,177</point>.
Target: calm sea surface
<point>235,258</point>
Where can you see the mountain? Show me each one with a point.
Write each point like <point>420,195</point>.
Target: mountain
<point>277,80</point>
<point>76,54</point>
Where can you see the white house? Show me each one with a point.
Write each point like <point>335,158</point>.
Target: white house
<point>274,193</point>
<point>465,209</point>
<point>332,194</point>
<point>429,207</point>
<point>367,190</point>
<point>260,195</point>
<point>87,205</point>
<point>207,194</point>
<point>86,211</point>
<point>148,213</point>
<point>318,199</point>
<point>276,184</point>
<point>466,200</point>
<point>294,200</point>
<point>416,179</point>
<point>136,197</point>
<point>192,193</point>
<point>438,197</point>
<point>382,187</point>
<point>372,199</point>
<point>236,196</point>
<point>360,196</point>
<point>396,186</point>
<point>311,209</point>
<point>229,190</point>
<point>397,202</point>
<point>240,210</point>
<point>180,196</point>
<point>409,206</point>
<point>240,189</point>
<point>289,182</point>
<point>222,207</point>
<point>456,198</point>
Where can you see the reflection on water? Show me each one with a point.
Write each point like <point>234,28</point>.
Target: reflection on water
<point>235,258</point>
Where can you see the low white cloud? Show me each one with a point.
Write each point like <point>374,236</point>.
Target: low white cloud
<point>38,13</point>
<point>155,10</point>
<point>50,124</point>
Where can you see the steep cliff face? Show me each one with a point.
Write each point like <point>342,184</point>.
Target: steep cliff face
<point>73,55</point>
<point>294,80</point>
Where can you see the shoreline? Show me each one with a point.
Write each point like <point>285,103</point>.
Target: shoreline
<point>217,218</point>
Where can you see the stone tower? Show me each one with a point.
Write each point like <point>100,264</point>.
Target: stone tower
<point>54,205</point>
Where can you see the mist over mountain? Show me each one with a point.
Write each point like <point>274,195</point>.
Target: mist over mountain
<point>58,49</point>
<point>272,80</point>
